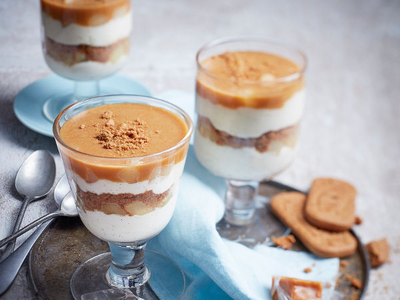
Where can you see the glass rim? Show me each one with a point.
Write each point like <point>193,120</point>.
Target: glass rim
<point>271,41</point>
<point>185,116</point>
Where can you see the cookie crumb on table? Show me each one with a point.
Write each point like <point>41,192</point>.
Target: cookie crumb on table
<point>307,270</point>
<point>358,220</point>
<point>356,283</point>
<point>285,242</point>
<point>344,263</point>
<point>327,285</point>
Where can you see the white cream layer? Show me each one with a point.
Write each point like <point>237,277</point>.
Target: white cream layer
<point>125,229</point>
<point>241,164</point>
<point>97,36</point>
<point>158,184</point>
<point>88,70</point>
<point>247,122</point>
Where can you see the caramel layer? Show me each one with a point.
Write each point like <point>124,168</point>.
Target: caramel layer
<point>71,55</point>
<point>248,79</point>
<point>269,141</point>
<point>122,204</point>
<point>125,130</point>
<point>85,12</point>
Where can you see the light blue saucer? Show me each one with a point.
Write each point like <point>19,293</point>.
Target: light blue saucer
<point>28,104</point>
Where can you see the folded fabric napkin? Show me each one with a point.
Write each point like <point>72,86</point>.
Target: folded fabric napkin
<point>216,268</point>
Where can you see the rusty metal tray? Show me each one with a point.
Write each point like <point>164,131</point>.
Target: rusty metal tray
<point>67,243</point>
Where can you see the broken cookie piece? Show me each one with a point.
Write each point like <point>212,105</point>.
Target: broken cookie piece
<point>285,242</point>
<point>378,252</point>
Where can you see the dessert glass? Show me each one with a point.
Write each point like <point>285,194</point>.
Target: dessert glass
<point>84,41</point>
<point>247,126</point>
<point>93,178</point>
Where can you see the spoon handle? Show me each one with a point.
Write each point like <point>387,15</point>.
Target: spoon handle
<point>9,267</point>
<point>11,246</point>
<point>30,226</point>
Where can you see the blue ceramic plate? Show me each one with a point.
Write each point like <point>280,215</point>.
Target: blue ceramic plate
<point>28,105</point>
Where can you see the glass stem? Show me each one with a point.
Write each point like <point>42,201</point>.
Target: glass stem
<point>86,89</point>
<point>128,268</point>
<point>240,203</point>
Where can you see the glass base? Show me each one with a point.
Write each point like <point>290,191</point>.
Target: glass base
<point>240,217</point>
<point>262,227</point>
<point>240,205</point>
<point>56,103</point>
<point>167,280</point>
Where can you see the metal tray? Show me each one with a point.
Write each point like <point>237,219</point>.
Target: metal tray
<point>267,225</point>
<point>67,243</point>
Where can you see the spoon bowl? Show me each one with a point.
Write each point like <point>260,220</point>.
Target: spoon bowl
<point>34,180</point>
<point>61,190</point>
<point>36,175</point>
<point>66,207</point>
<point>64,199</point>
<point>10,266</point>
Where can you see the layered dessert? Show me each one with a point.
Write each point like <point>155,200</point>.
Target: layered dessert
<point>124,162</point>
<point>86,39</point>
<point>249,106</point>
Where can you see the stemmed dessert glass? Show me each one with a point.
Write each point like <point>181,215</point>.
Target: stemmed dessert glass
<point>124,201</point>
<point>247,126</point>
<point>84,41</point>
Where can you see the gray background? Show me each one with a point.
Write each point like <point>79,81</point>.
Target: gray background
<point>350,128</point>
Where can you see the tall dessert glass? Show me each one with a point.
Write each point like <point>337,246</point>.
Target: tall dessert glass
<point>124,156</point>
<point>84,41</point>
<point>249,101</point>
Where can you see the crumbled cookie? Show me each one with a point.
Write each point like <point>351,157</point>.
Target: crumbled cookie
<point>289,208</point>
<point>378,252</point>
<point>307,270</point>
<point>356,283</point>
<point>344,263</point>
<point>285,242</point>
<point>331,204</point>
<point>358,220</point>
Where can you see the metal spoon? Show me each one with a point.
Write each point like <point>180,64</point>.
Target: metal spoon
<point>10,266</point>
<point>34,180</point>
<point>66,207</point>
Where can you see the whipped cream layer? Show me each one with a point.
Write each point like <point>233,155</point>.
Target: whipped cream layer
<point>95,36</point>
<point>88,70</point>
<point>247,122</point>
<point>243,163</point>
<point>126,229</point>
<point>158,184</point>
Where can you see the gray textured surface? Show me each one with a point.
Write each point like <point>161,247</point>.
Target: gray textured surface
<point>350,129</point>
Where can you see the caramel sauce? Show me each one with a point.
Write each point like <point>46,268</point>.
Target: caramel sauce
<point>248,79</point>
<point>85,12</point>
<point>125,130</point>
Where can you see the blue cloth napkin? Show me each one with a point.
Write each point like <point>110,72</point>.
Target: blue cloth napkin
<point>216,268</point>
